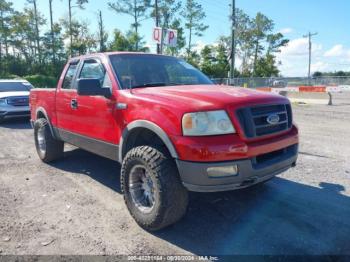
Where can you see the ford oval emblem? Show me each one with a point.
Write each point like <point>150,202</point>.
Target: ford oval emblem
<point>273,119</point>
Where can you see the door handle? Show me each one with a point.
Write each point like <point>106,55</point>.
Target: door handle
<point>74,104</point>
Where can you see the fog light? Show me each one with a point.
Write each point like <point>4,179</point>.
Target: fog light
<point>222,171</point>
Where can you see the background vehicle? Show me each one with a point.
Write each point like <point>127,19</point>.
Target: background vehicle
<point>169,126</point>
<point>14,98</point>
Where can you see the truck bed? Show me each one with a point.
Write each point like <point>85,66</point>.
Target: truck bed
<point>43,98</point>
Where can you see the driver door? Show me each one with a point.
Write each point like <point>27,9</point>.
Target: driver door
<point>95,114</point>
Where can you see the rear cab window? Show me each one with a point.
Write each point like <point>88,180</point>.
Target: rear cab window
<point>68,81</point>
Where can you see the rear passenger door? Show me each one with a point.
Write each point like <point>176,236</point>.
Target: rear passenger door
<point>95,114</point>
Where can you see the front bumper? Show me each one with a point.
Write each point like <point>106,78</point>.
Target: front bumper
<point>14,111</point>
<point>251,171</point>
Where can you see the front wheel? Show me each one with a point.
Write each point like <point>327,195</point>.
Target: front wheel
<point>152,188</point>
<point>47,147</point>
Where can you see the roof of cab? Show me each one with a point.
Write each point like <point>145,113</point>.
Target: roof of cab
<point>112,53</point>
<point>13,81</point>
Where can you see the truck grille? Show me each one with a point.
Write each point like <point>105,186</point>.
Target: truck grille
<point>257,121</point>
<point>18,101</point>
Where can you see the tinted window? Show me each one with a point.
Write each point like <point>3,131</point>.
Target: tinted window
<point>68,79</point>
<point>14,86</point>
<point>152,70</point>
<point>93,69</point>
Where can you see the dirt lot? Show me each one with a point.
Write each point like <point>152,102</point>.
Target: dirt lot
<point>75,206</point>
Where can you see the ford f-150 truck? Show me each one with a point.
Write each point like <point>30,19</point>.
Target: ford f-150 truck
<point>169,126</point>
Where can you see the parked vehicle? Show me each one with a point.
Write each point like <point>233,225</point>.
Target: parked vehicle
<point>14,99</point>
<point>279,83</point>
<point>172,130</point>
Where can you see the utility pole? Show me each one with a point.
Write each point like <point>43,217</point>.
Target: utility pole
<point>52,34</point>
<point>157,22</point>
<point>101,31</point>
<point>233,45</point>
<point>37,30</point>
<point>70,27</point>
<point>310,35</point>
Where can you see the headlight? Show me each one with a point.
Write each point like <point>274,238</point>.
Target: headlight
<point>207,124</point>
<point>3,101</point>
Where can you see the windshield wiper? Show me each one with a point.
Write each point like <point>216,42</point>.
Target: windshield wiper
<point>155,84</point>
<point>149,85</point>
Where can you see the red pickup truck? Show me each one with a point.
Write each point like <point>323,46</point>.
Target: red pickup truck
<point>169,126</point>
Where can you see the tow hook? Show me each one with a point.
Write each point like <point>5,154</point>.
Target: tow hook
<point>249,181</point>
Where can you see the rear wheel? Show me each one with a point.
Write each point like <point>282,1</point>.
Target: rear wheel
<point>47,147</point>
<point>152,188</point>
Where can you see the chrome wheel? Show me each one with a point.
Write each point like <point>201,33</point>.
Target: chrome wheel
<point>141,188</point>
<point>41,140</point>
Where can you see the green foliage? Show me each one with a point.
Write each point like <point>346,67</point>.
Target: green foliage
<point>332,74</point>
<point>266,66</point>
<point>194,15</point>
<point>256,44</point>
<point>215,61</point>
<point>83,40</point>
<point>41,81</point>
<point>121,42</point>
<point>136,9</point>
<point>167,10</point>
<point>29,46</point>
<point>9,76</point>
<point>193,58</point>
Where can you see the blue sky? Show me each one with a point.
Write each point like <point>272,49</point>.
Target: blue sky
<point>330,19</point>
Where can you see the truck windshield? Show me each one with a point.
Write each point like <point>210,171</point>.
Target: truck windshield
<point>14,86</point>
<point>143,70</point>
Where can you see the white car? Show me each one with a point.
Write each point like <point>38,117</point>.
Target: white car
<point>14,98</point>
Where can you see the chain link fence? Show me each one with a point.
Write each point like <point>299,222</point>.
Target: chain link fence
<point>255,82</point>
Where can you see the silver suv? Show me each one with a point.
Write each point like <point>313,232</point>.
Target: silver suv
<point>14,98</point>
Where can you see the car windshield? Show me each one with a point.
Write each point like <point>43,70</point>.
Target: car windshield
<point>137,71</point>
<point>14,86</point>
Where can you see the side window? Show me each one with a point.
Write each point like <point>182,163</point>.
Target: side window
<point>68,79</point>
<point>93,69</point>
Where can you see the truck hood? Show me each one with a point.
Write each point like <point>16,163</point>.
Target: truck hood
<point>206,97</point>
<point>12,94</point>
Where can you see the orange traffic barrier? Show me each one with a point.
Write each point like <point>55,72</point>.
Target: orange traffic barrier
<point>313,89</point>
<point>264,89</point>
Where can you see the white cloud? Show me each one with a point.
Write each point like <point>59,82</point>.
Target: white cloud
<point>198,47</point>
<point>336,51</point>
<point>320,66</point>
<point>299,47</point>
<point>287,30</point>
<point>295,58</point>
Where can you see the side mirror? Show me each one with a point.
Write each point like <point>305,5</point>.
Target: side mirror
<point>92,87</point>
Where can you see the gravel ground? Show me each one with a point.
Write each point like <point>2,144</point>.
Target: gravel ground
<point>74,207</point>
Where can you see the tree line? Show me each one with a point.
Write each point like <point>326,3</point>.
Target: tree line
<point>26,48</point>
<point>331,74</point>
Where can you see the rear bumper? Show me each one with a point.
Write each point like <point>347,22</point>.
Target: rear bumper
<point>195,175</point>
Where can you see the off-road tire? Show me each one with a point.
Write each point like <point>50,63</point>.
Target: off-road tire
<point>171,197</point>
<point>54,148</point>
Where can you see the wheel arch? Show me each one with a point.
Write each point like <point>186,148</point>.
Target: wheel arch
<point>41,113</point>
<point>144,125</point>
